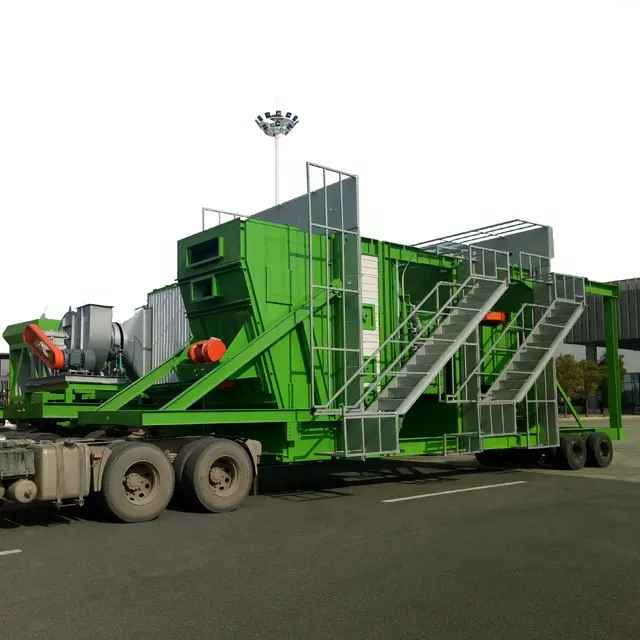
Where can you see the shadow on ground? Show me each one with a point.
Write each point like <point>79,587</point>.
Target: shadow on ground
<point>302,482</point>
<point>329,479</point>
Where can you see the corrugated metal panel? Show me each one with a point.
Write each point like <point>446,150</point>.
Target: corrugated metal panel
<point>169,326</point>
<point>634,311</point>
<point>590,327</point>
<point>369,267</point>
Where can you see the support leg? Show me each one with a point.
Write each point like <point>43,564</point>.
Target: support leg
<point>614,386</point>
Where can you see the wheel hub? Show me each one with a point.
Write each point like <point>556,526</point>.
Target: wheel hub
<point>134,481</point>
<point>221,476</point>
<point>139,483</point>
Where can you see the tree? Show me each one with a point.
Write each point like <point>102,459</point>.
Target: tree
<point>569,375</point>
<point>602,362</point>
<point>591,377</point>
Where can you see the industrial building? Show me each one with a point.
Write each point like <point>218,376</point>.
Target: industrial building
<point>587,340</point>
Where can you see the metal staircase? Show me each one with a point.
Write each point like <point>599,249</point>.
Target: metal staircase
<point>458,321</point>
<point>441,324</point>
<point>535,352</point>
<point>519,396</point>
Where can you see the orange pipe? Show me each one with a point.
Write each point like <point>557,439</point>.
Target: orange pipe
<point>41,345</point>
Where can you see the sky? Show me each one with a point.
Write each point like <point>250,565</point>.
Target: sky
<point>120,120</point>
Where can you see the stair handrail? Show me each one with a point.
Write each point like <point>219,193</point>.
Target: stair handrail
<point>509,326</point>
<point>396,331</point>
<point>460,286</point>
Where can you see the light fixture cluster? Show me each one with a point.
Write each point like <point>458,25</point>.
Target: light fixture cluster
<point>276,124</point>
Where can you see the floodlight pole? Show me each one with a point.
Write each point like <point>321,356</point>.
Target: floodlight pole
<point>276,125</point>
<point>275,140</point>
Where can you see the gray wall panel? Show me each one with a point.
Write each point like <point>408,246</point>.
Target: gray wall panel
<point>295,212</point>
<point>590,326</point>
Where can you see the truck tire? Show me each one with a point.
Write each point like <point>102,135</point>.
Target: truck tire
<point>217,476</point>
<point>599,450</point>
<point>181,459</point>
<point>138,482</point>
<point>572,452</point>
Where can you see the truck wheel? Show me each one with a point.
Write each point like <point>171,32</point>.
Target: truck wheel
<point>138,482</point>
<point>599,450</point>
<point>217,476</point>
<point>181,459</point>
<point>572,452</point>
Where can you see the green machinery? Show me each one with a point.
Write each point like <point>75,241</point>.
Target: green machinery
<point>328,344</point>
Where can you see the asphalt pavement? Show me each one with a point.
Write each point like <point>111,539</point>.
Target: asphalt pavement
<point>339,552</point>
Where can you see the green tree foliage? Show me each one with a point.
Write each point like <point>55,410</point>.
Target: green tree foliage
<point>602,362</point>
<point>568,375</point>
<point>592,376</point>
<point>582,378</point>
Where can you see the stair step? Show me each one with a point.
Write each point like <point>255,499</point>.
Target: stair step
<point>525,366</point>
<point>422,368</point>
<point>502,394</point>
<point>397,392</point>
<point>458,317</point>
<point>510,384</point>
<point>389,404</point>
<point>432,346</point>
<point>540,341</point>
<point>548,331</point>
<point>406,379</point>
<point>449,330</point>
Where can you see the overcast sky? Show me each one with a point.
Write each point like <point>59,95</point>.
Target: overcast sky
<point>119,120</point>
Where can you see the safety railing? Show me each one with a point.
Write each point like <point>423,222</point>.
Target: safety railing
<point>534,266</point>
<point>482,261</point>
<point>223,216</point>
<point>566,287</point>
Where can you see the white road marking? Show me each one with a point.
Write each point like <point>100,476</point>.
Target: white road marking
<point>10,552</point>
<point>446,493</point>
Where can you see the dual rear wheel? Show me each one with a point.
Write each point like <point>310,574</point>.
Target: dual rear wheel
<point>209,474</point>
<point>574,452</point>
<point>588,449</point>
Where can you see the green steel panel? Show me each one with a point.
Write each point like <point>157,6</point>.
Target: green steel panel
<point>180,417</point>
<point>611,345</point>
<point>230,366</point>
<point>369,317</point>
<point>602,289</point>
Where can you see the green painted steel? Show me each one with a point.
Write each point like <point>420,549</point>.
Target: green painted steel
<point>611,345</point>
<point>569,404</point>
<point>246,282</point>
